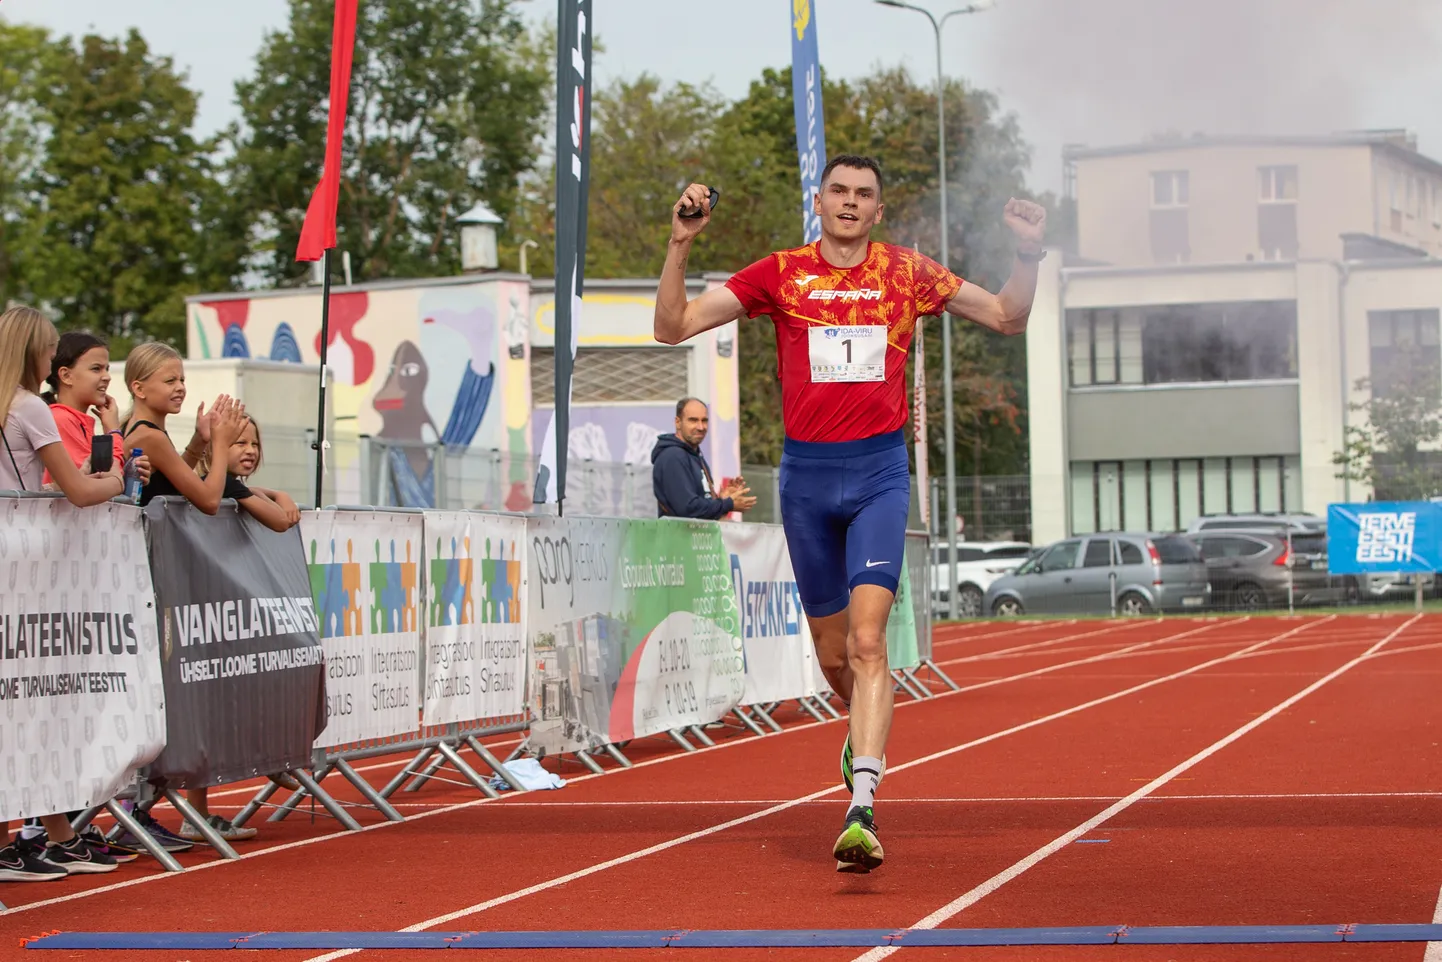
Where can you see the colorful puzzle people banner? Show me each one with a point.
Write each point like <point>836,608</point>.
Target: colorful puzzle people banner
<point>475,597</point>
<point>365,578</point>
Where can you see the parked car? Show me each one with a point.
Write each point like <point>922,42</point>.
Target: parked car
<point>1298,522</point>
<point>1309,548</point>
<point>978,564</point>
<point>1152,572</point>
<point>1252,569</point>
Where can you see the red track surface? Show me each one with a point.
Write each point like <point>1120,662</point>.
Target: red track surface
<point>1325,811</point>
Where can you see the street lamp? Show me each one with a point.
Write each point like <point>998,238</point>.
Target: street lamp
<point>947,415</point>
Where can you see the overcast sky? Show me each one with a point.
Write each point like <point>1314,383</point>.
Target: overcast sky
<point>1075,71</point>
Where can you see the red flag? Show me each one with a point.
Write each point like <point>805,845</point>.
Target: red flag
<point>317,234</point>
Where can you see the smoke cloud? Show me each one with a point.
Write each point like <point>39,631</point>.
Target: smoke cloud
<point>1103,72</point>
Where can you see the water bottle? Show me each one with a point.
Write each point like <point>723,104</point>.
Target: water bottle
<point>132,478</point>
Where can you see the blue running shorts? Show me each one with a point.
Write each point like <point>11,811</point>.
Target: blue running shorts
<point>844,506</point>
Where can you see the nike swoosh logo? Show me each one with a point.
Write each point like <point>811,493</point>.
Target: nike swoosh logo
<point>873,564</point>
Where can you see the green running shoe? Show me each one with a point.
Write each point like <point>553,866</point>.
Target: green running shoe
<point>857,849</point>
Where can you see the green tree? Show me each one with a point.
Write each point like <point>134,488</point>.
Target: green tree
<point>446,102</point>
<point>28,59</point>
<point>1386,452</point>
<point>111,238</point>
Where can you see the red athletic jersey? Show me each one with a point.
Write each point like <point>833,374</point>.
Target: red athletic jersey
<point>828,391</point>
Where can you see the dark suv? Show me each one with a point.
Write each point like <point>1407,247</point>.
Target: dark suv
<point>1257,569</point>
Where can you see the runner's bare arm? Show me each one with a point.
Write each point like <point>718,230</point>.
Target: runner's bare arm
<point>678,319</point>
<point>1007,311</point>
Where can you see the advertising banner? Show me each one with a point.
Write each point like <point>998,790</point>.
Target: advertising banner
<point>780,658</point>
<point>365,581</point>
<point>81,701</point>
<point>1384,537</point>
<point>633,630</point>
<point>239,645</point>
<point>475,647</point>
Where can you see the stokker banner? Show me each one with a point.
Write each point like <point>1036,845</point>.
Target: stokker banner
<point>239,645</point>
<point>81,704</point>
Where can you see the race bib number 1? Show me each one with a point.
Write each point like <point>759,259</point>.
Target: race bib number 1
<point>848,353</point>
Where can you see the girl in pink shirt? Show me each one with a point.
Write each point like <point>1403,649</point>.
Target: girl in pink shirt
<point>79,376</point>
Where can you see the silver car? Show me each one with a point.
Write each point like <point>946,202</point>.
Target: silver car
<point>1143,573</point>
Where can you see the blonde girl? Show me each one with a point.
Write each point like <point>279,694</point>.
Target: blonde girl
<point>274,509</point>
<point>30,445</point>
<point>155,377</point>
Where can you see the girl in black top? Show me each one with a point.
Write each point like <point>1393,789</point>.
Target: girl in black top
<point>155,376</point>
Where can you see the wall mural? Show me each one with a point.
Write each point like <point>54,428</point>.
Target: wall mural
<point>416,367</point>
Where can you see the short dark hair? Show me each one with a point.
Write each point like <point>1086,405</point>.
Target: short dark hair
<point>681,404</point>
<point>855,162</point>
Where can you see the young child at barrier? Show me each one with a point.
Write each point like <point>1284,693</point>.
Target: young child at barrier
<point>272,508</point>
<point>79,378</point>
<point>155,377</point>
<point>32,447</point>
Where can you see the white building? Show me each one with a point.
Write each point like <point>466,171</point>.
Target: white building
<point>1187,367</point>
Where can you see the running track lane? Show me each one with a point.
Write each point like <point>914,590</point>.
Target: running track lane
<point>298,832</point>
<point>722,887</point>
<point>560,829</point>
<point>714,873</point>
<point>1340,848</point>
<point>1210,866</point>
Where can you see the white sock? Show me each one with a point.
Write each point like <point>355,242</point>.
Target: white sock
<point>865,773</point>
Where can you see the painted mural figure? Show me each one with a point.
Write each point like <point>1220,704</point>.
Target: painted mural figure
<point>404,419</point>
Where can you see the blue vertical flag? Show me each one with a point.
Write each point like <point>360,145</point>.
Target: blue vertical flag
<point>810,124</point>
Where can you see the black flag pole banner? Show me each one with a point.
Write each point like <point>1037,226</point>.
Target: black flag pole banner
<point>240,647</point>
<point>573,174</point>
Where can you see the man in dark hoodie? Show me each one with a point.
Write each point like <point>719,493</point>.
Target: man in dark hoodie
<point>680,476</point>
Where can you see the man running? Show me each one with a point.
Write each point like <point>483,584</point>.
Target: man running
<point>845,309</point>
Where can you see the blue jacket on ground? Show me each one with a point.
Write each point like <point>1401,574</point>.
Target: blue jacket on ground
<point>681,480</point>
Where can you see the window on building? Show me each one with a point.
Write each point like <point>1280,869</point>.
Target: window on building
<point>1170,229</point>
<point>1220,342</point>
<point>1436,204</point>
<point>605,375</point>
<point>1404,351</point>
<point>1167,494</point>
<point>1244,341</point>
<point>1278,185</point>
<point>1170,188</point>
<point>1277,213</point>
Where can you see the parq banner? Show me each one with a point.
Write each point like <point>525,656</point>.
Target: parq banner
<point>633,630</point>
<point>365,579</point>
<point>81,702</point>
<point>239,645</point>
<point>475,646</point>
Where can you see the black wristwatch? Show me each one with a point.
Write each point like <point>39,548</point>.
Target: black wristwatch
<point>1036,258</point>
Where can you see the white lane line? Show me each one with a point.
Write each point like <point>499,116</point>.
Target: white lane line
<point>461,806</point>
<point>937,642</point>
<point>795,802</point>
<point>1434,949</point>
<point>963,800</point>
<point>981,891</point>
<point>1005,652</point>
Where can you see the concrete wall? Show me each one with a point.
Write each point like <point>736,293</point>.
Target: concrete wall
<point>1046,407</point>
<point>1192,421</point>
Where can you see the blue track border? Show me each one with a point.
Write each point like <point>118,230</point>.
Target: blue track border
<point>746,938</point>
